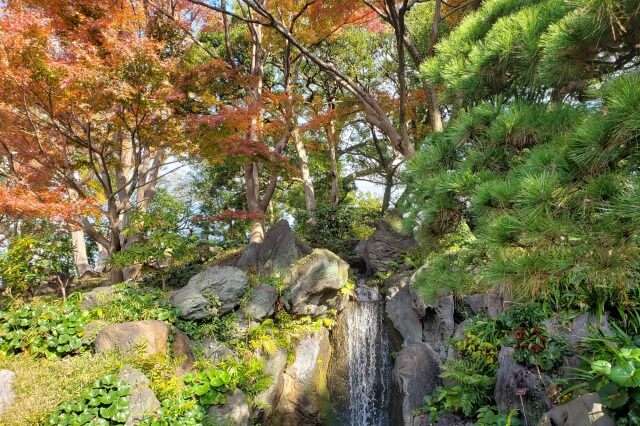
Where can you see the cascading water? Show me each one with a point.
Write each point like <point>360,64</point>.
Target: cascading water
<point>368,359</point>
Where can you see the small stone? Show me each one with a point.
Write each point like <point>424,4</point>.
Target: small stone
<point>96,297</point>
<point>215,351</point>
<point>262,302</point>
<point>142,400</point>
<point>584,410</point>
<point>7,394</point>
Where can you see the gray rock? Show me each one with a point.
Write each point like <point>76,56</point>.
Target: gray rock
<point>415,375</point>
<point>450,419</point>
<point>388,244</point>
<point>439,326</point>
<point>262,302</point>
<point>182,349</point>
<point>234,412</point>
<point>96,297</point>
<point>581,325</point>
<point>584,410</point>
<point>7,394</point>
<point>491,303</point>
<point>215,351</point>
<point>304,399</point>
<point>512,377</point>
<point>279,250</point>
<point>314,280</point>
<point>142,400</point>
<point>126,337</point>
<point>402,316</point>
<point>214,291</point>
<point>268,398</point>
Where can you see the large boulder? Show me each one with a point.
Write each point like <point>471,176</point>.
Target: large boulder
<point>338,377</point>
<point>312,284</point>
<point>415,375</point>
<point>279,250</point>
<point>7,394</point>
<point>388,244</point>
<point>97,297</point>
<point>268,398</point>
<point>518,387</point>
<point>304,399</point>
<point>584,410</point>
<point>234,412</point>
<point>151,335</point>
<point>214,291</point>
<point>400,310</point>
<point>491,303</point>
<point>262,302</point>
<point>438,325</point>
<point>142,400</point>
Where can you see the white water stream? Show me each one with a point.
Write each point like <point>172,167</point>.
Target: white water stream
<point>369,359</point>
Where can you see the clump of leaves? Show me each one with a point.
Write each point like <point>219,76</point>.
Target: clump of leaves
<point>135,303</point>
<point>617,381</point>
<point>534,346</point>
<point>104,404</point>
<point>49,330</point>
<point>473,378</point>
<point>489,416</point>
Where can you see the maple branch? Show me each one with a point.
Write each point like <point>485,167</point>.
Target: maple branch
<point>223,10</point>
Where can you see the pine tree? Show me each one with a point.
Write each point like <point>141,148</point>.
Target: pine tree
<point>533,187</point>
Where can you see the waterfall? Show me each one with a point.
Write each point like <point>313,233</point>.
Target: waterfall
<point>369,359</point>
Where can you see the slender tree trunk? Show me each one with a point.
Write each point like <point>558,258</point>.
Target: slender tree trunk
<point>332,139</point>
<point>388,186</point>
<point>435,114</point>
<point>307,183</point>
<point>253,203</point>
<point>80,252</point>
<point>103,256</point>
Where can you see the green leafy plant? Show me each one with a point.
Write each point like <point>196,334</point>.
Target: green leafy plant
<point>135,303</point>
<point>534,346</point>
<point>472,377</point>
<point>104,404</point>
<point>489,416</point>
<point>617,381</point>
<point>50,330</point>
<point>33,259</point>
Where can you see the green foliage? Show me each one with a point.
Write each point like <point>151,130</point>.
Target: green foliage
<point>222,328</point>
<point>33,259</point>
<point>162,234</point>
<point>172,276</point>
<point>134,303</point>
<point>534,346</point>
<point>488,416</point>
<point>104,404</point>
<point>473,378</point>
<point>52,330</point>
<point>337,224</point>
<point>617,381</point>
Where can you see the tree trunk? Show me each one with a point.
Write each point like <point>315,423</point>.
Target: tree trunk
<point>332,139</point>
<point>103,256</point>
<point>80,252</point>
<point>307,183</point>
<point>388,186</point>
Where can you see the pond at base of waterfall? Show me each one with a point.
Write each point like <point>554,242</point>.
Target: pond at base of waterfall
<point>369,359</point>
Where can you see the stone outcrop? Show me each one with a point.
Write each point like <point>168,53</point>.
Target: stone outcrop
<point>215,351</point>
<point>182,349</point>
<point>491,304</point>
<point>338,375</point>
<point>279,250</point>
<point>97,297</point>
<point>314,281</point>
<point>304,399</point>
<point>234,412</point>
<point>415,374</point>
<point>214,291</point>
<point>262,302</point>
<point>581,325</point>
<point>268,398</point>
<point>513,377</point>
<point>414,321</point>
<point>7,394</point>
<point>584,410</point>
<point>142,400</point>
<point>388,244</point>
<point>125,337</point>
